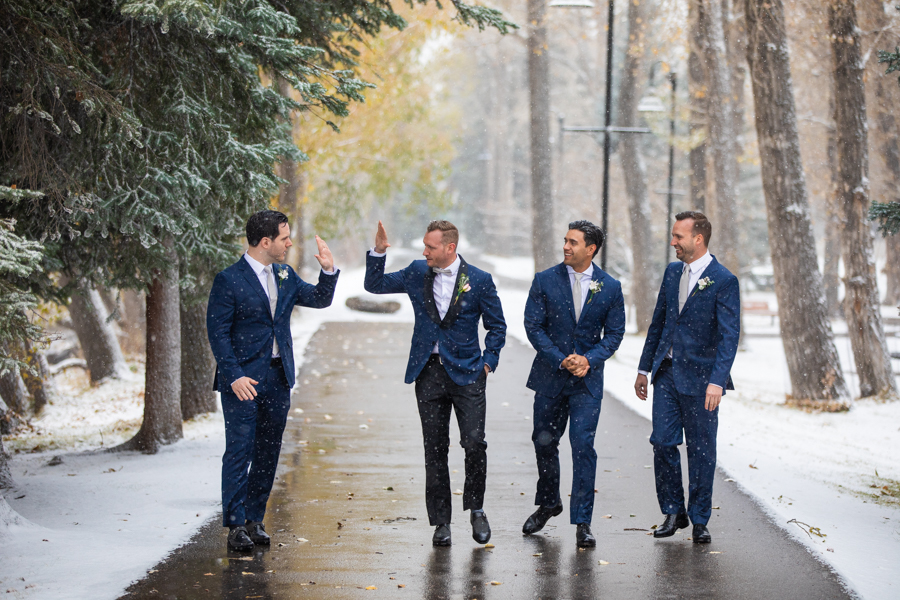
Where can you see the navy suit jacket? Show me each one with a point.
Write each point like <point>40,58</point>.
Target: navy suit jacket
<point>240,326</point>
<point>552,330</point>
<point>705,335</point>
<point>457,333</point>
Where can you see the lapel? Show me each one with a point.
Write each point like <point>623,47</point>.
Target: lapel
<point>590,301</point>
<point>708,272</point>
<point>428,294</point>
<point>250,275</point>
<point>455,304</point>
<point>566,284</point>
<point>280,285</point>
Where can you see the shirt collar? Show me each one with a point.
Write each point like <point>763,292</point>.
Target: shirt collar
<point>454,266</point>
<point>254,264</point>
<point>701,263</point>
<point>589,272</point>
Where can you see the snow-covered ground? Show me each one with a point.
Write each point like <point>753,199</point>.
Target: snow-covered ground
<point>108,518</point>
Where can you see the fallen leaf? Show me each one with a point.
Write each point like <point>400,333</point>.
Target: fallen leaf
<point>371,587</point>
<point>153,571</point>
<point>401,585</point>
<point>602,562</point>
<point>388,488</point>
<point>209,575</point>
<point>729,479</point>
<point>715,552</point>
<point>301,540</point>
<point>754,467</point>
<point>246,573</point>
<point>607,517</point>
<point>245,558</point>
<point>458,493</point>
<point>715,508</point>
<point>488,545</point>
<point>496,583</point>
<point>328,417</point>
<point>538,554</point>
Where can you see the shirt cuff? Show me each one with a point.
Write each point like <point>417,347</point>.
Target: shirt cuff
<point>331,272</point>
<point>376,254</point>
<point>643,372</point>
<point>717,385</point>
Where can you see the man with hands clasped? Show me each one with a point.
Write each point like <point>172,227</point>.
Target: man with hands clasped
<point>690,347</point>
<point>575,319</point>
<point>449,297</point>
<point>248,323</point>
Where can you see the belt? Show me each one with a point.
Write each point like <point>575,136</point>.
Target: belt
<point>436,357</point>
<point>666,363</point>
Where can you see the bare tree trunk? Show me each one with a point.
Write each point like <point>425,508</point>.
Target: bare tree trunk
<point>721,137</point>
<point>735,28</point>
<point>885,95</point>
<point>542,236</point>
<point>15,395</point>
<point>162,387</point>
<point>134,320</point>
<point>861,306</point>
<point>634,170</point>
<point>197,363</point>
<point>40,386</point>
<point>697,91</point>
<point>812,358</point>
<point>831,272</point>
<point>5,476</point>
<point>97,338</point>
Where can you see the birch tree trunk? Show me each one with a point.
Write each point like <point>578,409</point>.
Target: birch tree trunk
<point>15,395</point>
<point>198,366</point>
<point>697,91</point>
<point>809,348</point>
<point>162,387</point>
<point>861,306</point>
<point>542,236</point>
<point>721,138</point>
<point>99,343</point>
<point>634,170</point>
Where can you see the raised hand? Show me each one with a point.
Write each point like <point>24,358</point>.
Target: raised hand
<point>381,240</point>
<point>324,256</point>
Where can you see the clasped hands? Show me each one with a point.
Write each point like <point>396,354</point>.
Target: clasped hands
<point>576,364</point>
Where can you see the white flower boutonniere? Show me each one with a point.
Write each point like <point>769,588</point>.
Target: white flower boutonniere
<point>462,287</point>
<point>704,283</point>
<point>282,275</point>
<point>596,286</point>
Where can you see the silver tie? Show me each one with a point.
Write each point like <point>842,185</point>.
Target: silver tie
<point>576,295</point>
<point>273,301</point>
<point>683,287</point>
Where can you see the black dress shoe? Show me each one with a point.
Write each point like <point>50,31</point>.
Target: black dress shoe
<point>481,529</point>
<point>441,535</point>
<point>257,532</point>
<point>672,524</point>
<point>701,535</point>
<point>583,536</point>
<point>539,518</point>
<point>239,540</point>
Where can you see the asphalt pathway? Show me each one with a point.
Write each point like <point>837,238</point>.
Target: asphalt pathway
<point>347,514</point>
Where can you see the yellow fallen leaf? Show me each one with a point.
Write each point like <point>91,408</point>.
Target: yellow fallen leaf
<point>246,558</point>
<point>496,583</point>
<point>458,492</point>
<point>538,554</point>
<point>208,575</point>
<point>246,573</point>
<point>401,585</point>
<point>488,545</point>
<point>371,587</point>
<point>607,516</point>
<point>602,562</point>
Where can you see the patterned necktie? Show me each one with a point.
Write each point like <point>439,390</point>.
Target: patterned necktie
<point>440,270</point>
<point>273,300</point>
<point>683,287</point>
<point>576,295</point>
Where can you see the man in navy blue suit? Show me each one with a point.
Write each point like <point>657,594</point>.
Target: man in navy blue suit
<point>248,323</point>
<point>449,297</point>
<point>575,319</point>
<point>690,347</point>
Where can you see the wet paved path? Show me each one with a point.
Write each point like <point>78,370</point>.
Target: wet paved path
<point>347,512</point>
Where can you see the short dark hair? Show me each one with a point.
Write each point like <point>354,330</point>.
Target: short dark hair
<point>592,234</point>
<point>264,224</point>
<point>449,232</point>
<point>702,226</point>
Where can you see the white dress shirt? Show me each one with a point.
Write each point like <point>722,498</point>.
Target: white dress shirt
<point>697,268</point>
<point>588,275</point>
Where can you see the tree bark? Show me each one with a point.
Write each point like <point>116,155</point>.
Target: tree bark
<point>812,358</point>
<point>721,138</point>
<point>634,170</point>
<point>292,193</point>
<point>861,306</point>
<point>697,91</point>
<point>542,236</point>
<point>97,338</point>
<point>15,396</point>
<point>162,387</point>
<point>885,95</point>
<point>40,386</point>
<point>831,273</point>
<point>134,320</point>
<point>198,365</point>
<point>5,476</point>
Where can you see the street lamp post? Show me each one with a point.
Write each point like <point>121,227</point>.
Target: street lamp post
<point>674,81</point>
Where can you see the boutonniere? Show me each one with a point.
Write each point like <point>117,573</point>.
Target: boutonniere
<point>596,286</point>
<point>462,287</point>
<point>282,275</point>
<point>704,283</point>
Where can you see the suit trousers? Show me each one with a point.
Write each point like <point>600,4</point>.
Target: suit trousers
<point>253,430</point>
<point>672,414</point>
<point>436,395</point>
<point>581,409</point>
